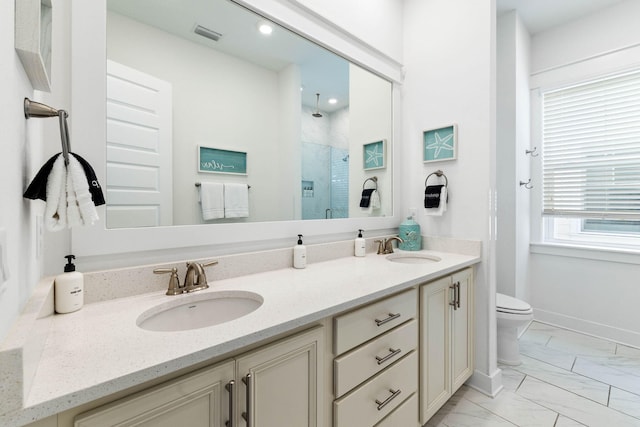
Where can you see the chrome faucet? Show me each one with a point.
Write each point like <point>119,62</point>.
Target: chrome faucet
<point>385,246</point>
<point>195,279</point>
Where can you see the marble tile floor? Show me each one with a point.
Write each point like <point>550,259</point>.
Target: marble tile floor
<point>566,379</point>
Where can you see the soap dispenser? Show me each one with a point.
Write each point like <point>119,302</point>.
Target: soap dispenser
<point>69,288</point>
<point>409,232</point>
<point>360,245</point>
<point>299,254</point>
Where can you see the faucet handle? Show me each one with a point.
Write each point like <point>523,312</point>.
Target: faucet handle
<point>209,264</point>
<point>381,245</point>
<point>202,279</point>
<point>174,281</point>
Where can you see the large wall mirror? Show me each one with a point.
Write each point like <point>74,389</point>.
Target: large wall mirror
<point>207,91</point>
<point>251,100</point>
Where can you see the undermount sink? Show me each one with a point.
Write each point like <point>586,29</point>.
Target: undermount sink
<point>412,258</point>
<point>199,311</point>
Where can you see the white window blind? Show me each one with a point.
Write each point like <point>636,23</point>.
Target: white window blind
<point>591,155</point>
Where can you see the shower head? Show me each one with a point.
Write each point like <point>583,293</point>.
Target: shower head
<point>317,113</point>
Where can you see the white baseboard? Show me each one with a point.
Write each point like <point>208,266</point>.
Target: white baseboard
<point>489,385</point>
<point>599,330</point>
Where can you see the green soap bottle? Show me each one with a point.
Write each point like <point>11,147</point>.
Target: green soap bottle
<point>409,232</point>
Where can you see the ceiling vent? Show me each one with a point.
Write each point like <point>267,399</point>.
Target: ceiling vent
<point>205,32</point>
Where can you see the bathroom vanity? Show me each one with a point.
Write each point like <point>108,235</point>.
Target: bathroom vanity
<point>345,342</point>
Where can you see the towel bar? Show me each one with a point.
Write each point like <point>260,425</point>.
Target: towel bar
<point>199,184</point>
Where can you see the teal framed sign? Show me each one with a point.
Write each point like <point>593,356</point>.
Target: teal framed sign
<point>373,155</point>
<point>215,160</point>
<point>440,144</point>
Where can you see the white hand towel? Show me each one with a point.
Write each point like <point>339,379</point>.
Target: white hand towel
<point>375,200</point>
<point>55,211</point>
<point>212,200</point>
<point>442,207</point>
<point>236,200</point>
<point>80,207</point>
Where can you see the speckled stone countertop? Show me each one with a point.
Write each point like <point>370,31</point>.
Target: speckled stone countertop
<point>99,350</point>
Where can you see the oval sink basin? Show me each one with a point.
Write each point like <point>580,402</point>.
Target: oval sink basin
<point>412,258</point>
<point>199,311</point>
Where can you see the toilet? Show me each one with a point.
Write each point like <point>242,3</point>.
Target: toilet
<point>511,314</point>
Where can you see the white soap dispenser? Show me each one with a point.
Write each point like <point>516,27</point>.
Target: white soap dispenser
<point>360,245</point>
<point>69,289</point>
<point>299,254</point>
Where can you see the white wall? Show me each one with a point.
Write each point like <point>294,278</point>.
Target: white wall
<point>25,147</point>
<point>594,292</point>
<point>450,78</point>
<point>369,100</point>
<point>513,131</point>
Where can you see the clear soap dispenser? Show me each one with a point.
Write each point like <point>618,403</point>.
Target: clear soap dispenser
<point>299,254</point>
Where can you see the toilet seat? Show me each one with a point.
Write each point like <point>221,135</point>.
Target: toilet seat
<point>510,305</point>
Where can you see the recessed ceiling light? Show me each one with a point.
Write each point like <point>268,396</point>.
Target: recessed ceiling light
<point>265,28</point>
<point>332,101</point>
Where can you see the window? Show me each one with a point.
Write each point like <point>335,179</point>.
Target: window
<point>591,161</point>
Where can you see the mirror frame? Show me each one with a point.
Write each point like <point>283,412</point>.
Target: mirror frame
<point>88,128</point>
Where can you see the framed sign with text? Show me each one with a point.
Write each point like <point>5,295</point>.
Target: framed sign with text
<point>216,160</point>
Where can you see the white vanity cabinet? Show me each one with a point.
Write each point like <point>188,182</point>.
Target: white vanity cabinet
<point>446,339</point>
<point>282,383</point>
<point>279,384</point>
<point>376,363</point>
<point>199,399</point>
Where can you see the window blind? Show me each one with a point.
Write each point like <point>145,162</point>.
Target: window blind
<point>591,149</point>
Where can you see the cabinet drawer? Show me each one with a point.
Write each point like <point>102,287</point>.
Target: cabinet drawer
<point>361,325</point>
<point>406,415</point>
<point>374,400</point>
<point>358,365</point>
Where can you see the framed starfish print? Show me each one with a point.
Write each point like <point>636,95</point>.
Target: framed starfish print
<point>373,155</point>
<point>440,144</point>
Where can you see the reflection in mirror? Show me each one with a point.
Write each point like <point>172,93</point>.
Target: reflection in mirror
<point>194,89</point>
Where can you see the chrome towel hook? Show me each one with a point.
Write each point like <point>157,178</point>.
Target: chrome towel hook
<point>526,184</point>
<point>533,152</point>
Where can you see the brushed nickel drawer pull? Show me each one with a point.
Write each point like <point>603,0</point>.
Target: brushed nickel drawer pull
<point>392,353</point>
<point>388,319</point>
<point>232,416</point>
<point>455,296</point>
<point>248,416</point>
<point>394,394</point>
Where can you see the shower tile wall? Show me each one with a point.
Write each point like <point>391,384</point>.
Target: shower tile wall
<point>339,183</point>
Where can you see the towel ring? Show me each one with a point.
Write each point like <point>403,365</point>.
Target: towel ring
<point>437,173</point>
<point>375,182</point>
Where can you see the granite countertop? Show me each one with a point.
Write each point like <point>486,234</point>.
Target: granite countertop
<point>99,350</point>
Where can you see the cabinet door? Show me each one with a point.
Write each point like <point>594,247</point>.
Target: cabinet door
<point>281,383</point>
<point>435,378</point>
<point>195,400</point>
<point>462,329</point>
